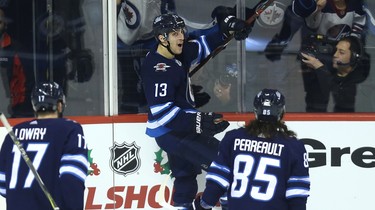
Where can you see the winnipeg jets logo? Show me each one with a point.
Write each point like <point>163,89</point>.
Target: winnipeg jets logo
<point>125,158</point>
<point>52,30</point>
<point>273,15</point>
<point>132,15</point>
<point>161,67</point>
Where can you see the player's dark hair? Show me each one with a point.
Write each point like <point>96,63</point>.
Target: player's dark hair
<point>356,49</point>
<point>269,129</point>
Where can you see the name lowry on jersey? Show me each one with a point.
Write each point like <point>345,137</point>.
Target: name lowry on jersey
<point>258,146</point>
<point>30,133</point>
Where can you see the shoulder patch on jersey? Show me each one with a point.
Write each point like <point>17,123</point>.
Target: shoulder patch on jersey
<point>161,67</point>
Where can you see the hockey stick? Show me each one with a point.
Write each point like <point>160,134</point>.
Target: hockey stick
<point>27,160</point>
<point>259,8</point>
<point>160,198</point>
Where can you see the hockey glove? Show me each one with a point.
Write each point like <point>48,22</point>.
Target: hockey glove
<point>209,123</point>
<point>221,12</point>
<point>242,34</point>
<point>232,24</point>
<point>225,16</point>
<point>275,48</point>
<point>198,204</point>
<point>201,98</point>
<point>82,65</point>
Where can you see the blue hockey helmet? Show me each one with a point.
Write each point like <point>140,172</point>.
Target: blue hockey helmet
<point>166,23</point>
<point>269,105</point>
<point>45,96</point>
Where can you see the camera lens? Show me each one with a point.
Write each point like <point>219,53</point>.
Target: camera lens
<point>224,80</point>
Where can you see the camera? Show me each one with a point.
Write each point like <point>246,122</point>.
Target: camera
<point>229,75</point>
<point>225,80</point>
<point>318,46</point>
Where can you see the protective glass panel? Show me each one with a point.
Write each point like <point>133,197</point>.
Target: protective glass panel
<point>271,58</point>
<point>52,40</point>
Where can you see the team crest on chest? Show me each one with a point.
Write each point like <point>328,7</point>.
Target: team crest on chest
<point>161,67</point>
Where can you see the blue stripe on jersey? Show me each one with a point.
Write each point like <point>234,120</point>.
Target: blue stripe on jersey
<point>73,170</point>
<point>206,48</point>
<point>76,165</point>
<point>156,109</point>
<point>220,167</point>
<point>199,55</point>
<point>304,179</point>
<point>157,127</point>
<point>203,49</point>
<point>298,186</point>
<point>297,192</point>
<point>222,181</point>
<point>157,132</point>
<point>2,184</point>
<point>77,158</point>
<point>2,176</point>
<point>3,191</point>
<point>192,111</point>
<point>161,121</point>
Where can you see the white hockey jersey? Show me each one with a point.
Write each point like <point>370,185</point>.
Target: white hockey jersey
<point>336,23</point>
<point>133,24</point>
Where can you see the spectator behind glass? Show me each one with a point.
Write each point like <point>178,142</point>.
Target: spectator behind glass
<point>58,49</point>
<point>17,77</point>
<point>223,90</point>
<point>350,67</point>
<point>333,19</point>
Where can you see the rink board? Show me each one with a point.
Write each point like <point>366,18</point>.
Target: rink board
<point>127,167</point>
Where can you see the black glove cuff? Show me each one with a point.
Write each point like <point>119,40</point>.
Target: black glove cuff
<point>198,123</point>
<point>209,123</point>
<point>227,25</point>
<point>221,12</point>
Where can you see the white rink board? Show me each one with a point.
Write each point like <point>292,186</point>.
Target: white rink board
<point>343,187</point>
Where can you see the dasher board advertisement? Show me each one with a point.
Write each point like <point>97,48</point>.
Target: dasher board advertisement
<point>127,167</point>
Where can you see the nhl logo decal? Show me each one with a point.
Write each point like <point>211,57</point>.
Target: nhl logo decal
<point>125,158</point>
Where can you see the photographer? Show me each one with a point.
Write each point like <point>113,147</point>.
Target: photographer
<point>223,90</point>
<point>332,18</point>
<point>350,66</point>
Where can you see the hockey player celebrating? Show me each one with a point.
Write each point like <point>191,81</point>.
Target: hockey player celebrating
<point>57,149</point>
<point>262,165</point>
<point>179,129</point>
